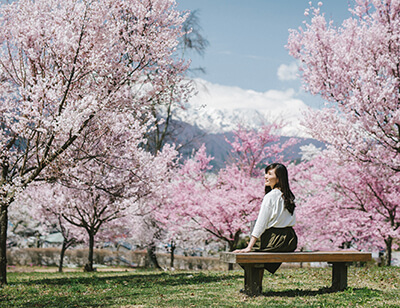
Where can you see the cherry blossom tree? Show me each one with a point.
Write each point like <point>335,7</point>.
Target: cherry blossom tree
<point>343,204</point>
<point>149,230</point>
<point>166,129</point>
<point>356,69</point>
<point>166,225</point>
<point>98,193</point>
<point>225,203</point>
<point>108,178</point>
<point>66,63</point>
<point>42,204</point>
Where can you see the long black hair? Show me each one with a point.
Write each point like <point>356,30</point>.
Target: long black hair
<point>283,184</point>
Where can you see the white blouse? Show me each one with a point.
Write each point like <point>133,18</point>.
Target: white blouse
<point>273,214</point>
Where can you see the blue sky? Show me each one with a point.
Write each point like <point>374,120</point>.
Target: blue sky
<point>247,65</point>
<point>247,41</point>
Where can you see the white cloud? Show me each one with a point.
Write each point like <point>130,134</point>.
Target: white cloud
<point>288,72</point>
<point>236,103</point>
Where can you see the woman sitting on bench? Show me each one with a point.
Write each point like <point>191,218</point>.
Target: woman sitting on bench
<point>273,230</point>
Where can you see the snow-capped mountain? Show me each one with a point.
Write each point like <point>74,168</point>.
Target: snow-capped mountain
<point>212,115</point>
<point>218,109</point>
<point>221,120</point>
<point>213,120</point>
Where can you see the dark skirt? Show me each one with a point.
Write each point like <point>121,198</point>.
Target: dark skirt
<point>276,240</point>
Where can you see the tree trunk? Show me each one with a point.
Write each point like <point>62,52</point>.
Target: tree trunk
<point>89,265</point>
<point>232,246</point>
<point>389,242</point>
<point>3,243</point>
<point>151,253</point>
<point>63,249</point>
<point>172,251</point>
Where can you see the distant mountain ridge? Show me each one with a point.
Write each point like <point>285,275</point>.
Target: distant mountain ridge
<point>217,108</point>
<point>190,137</point>
<point>212,120</point>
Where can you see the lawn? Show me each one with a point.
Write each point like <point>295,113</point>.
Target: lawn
<point>289,287</point>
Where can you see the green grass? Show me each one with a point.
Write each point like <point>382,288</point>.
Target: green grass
<point>305,287</point>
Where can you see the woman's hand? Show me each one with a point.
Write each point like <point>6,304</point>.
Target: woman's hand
<point>244,250</point>
<point>249,246</point>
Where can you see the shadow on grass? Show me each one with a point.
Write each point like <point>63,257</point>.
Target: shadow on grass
<point>134,278</point>
<point>297,292</point>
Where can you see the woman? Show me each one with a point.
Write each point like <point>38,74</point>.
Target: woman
<point>273,228</point>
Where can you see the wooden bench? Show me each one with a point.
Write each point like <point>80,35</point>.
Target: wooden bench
<point>253,265</point>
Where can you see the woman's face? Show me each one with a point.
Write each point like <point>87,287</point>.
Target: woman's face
<point>270,178</point>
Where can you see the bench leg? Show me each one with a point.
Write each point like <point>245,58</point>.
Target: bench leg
<point>253,275</point>
<point>339,276</point>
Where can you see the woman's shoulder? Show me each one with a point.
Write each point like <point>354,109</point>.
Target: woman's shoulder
<point>273,194</point>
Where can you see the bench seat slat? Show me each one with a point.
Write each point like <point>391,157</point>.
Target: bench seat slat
<point>315,256</point>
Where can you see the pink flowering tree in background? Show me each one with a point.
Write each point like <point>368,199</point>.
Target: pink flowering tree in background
<point>108,176</point>
<point>224,204</point>
<point>166,130</point>
<point>168,223</point>
<point>66,63</point>
<point>151,217</point>
<point>156,227</point>
<point>43,204</point>
<point>99,198</point>
<point>351,205</point>
<point>89,212</point>
<point>355,68</point>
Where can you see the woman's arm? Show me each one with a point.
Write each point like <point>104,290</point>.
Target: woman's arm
<point>253,240</point>
<point>264,216</point>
